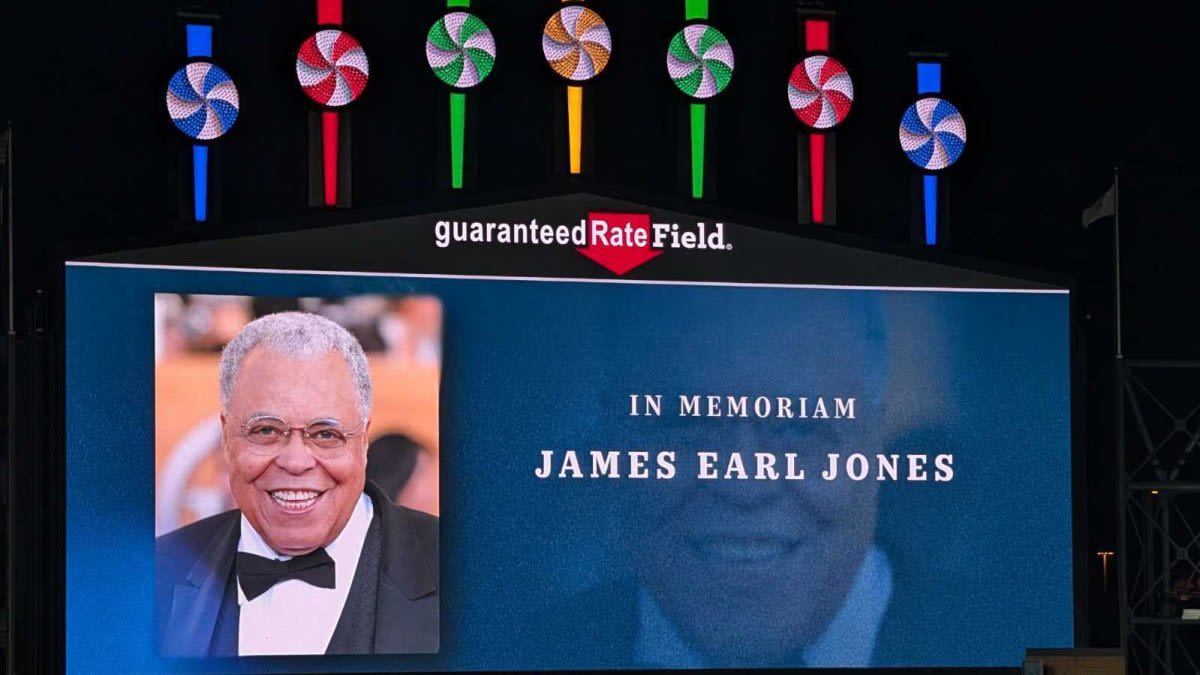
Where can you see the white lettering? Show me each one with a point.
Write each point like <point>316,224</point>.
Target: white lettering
<point>765,463</point>
<point>689,406</point>
<point>544,470</point>
<point>736,467</point>
<point>856,467</point>
<point>654,405</point>
<point>819,410</point>
<point>843,408</point>
<point>785,407</point>
<point>714,406</point>
<point>666,465</point>
<point>762,406</point>
<point>888,464</point>
<point>916,467</point>
<point>637,464</point>
<point>605,464</point>
<point>737,406</point>
<point>570,465</point>
<point>792,472</point>
<point>945,468</point>
<point>831,472</point>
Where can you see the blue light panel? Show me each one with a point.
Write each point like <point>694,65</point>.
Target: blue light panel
<point>929,81</point>
<point>929,78</point>
<point>199,45</point>
<point>199,40</point>
<point>931,193</point>
<point>200,182</point>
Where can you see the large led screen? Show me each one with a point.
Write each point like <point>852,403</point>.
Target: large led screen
<point>290,472</point>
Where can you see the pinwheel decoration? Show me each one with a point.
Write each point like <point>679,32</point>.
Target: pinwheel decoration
<point>700,63</point>
<point>332,70</point>
<point>932,133</point>
<point>820,93</point>
<point>202,102</point>
<point>933,136</point>
<point>461,51</point>
<point>577,45</point>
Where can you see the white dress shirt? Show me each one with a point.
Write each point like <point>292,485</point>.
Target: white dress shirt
<point>293,616</point>
<point>848,640</point>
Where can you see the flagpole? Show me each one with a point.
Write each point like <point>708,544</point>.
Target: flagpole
<point>1117,255</point>
<point>11,409</point>
<point>8,227</point>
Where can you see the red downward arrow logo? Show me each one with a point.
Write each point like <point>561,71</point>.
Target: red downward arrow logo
<point>619,242</point>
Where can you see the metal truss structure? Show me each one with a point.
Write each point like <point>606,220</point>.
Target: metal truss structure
<point>1158,450</point>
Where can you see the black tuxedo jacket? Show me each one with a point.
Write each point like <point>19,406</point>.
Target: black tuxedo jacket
<point>393,606</point>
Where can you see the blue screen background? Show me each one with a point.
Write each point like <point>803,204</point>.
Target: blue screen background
<point>984,561</point>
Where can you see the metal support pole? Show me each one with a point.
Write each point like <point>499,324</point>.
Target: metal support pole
<point>1122,505</point>
<point>1167,632</point>
<point>10,440</point>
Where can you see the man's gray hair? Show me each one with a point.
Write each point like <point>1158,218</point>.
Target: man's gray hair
<point>297,335</point>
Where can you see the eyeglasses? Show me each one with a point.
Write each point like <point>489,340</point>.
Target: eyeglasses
<point>326,439</point>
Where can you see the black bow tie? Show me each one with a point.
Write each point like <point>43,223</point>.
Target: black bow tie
<point>257,574</point>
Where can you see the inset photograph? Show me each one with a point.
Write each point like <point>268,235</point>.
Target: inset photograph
<point>296,474</point>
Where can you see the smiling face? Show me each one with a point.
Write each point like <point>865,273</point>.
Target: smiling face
<point>297,501</point>
<point>751,571</point>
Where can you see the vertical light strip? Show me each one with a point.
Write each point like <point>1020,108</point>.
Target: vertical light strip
<point>697,110</point>
<point>929,81</point>
<point>931,220</point>
<point>458,125</point>
<point>816,39</point>
<point>816,35</point>
<point>697,9</point>
<point>199,45</point>
<point>575,127</point>
<point>329,12</point>
<point>929,78</point>
<point>816,169</point>
<point>329,154</point>
<point>199,40</point>
<point>458,122</point>
<point>200,182</point>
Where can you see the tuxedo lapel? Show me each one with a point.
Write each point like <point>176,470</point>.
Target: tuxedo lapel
<point>355,629</point>
<point>226,635</point>
<point>407,611</point>
<point>405,625</point>
<point>196,602</point>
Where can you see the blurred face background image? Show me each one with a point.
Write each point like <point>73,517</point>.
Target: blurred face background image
<point>737,572</point>
<point>747,571</point>
<point>402,338</point>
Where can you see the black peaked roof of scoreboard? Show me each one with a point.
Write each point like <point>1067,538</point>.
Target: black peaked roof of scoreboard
<point>388,243</point>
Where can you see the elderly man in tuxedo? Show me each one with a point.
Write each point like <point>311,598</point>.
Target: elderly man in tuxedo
<point>314,560</point>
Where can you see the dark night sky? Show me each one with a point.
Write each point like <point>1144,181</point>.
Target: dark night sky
<point>1054,95</point>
